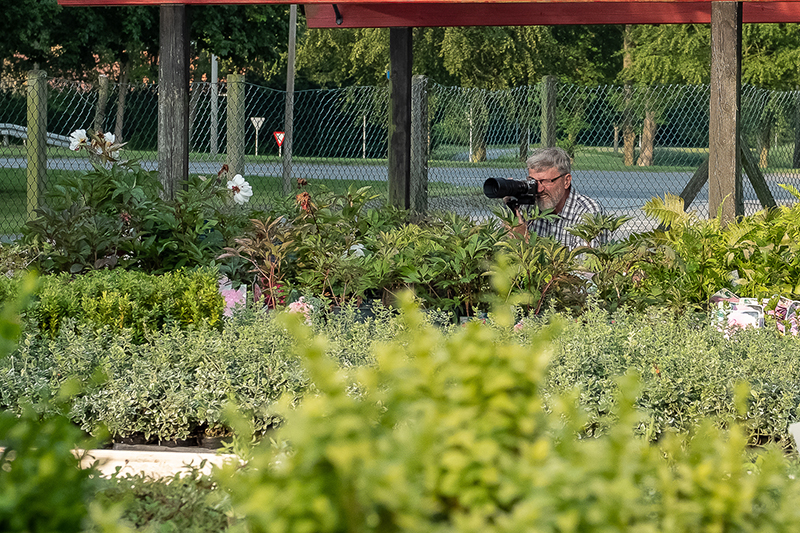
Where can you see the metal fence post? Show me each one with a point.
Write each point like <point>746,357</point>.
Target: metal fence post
<point>102,101</point>
<point>548,111</point>
<point>236,123</point>
<point>36,144</point>
<point>419,144</point>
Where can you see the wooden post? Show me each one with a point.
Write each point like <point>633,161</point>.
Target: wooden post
<point>288,122</point>
<point>102,102</point>
<point>755,176</point>
<point>724,170</point>
<point>173,98</point>
<point>122,91</point>
<point>695,185</point>
<point>213,132</point>
<point>400,61</point>
<point>236,124</point>
<point>419,144</point>
<point>549,111</point>
<point>36,144</point>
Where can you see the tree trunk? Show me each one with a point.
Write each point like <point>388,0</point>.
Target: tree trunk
<point>763,154</point>
<point>479,118</point>
<point>628,134</point>
<point>524,142</point>
<point>648,139</point>
<point>479,153</point>
<point>764,138</point>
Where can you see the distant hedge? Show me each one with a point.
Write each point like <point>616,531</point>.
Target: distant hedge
<point>126,300</point>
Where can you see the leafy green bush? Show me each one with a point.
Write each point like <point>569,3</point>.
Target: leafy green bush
<point>689,372</point>
<point>456,434</point>
<point>41,487</point>
<point>188,502</point>
<point>119,300</point>
<point>178,384</point>
<point>113,216</point>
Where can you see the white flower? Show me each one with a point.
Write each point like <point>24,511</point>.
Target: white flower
<point>77,139</point>
<point>109,138</point>
<point>242,191</point>
<point>357,250</point>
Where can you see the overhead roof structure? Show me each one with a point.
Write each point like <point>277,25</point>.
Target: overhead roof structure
<point>428,13</point>
<point>356,14</point>
<point>726,19</point>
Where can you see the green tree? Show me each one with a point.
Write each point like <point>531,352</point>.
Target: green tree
<point>771,60</point>
<point>252,38</point>
<point>661,54</point>
<point>340,57</point>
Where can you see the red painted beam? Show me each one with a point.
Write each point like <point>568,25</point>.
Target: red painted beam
<point>405,13</point>
<point>377,15</point>
<point>406,3</point>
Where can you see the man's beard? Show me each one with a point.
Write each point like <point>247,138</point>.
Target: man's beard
<point>545,203</point>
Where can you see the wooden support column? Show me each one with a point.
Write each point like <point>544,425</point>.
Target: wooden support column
<point>236,123</point>
<point>400,61</point>
<point>173,98</point>
<point>419,145</point>
<point>724,169</point>
<point>36,143</point>
<point>288,121</point>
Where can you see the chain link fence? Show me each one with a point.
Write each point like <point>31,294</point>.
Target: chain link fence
<point>630,143</point>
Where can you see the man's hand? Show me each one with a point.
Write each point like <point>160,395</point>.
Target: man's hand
<point>521,228</point>
<point>512,203</point>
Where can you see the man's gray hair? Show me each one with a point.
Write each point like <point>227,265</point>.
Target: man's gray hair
<point>544,158</point>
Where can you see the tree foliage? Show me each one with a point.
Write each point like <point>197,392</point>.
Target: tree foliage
<point>82,42</point>
<point>771,55</point>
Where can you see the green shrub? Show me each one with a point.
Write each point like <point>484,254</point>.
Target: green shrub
<point>114,216</point>
<point>41,487</point>
<point>188,502</point>
<point>178,383</point>
<point>455,434</point>
<point>689,372</point>
<point>119,300</point>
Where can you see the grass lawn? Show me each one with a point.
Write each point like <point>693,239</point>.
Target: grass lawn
<point>13,200</point>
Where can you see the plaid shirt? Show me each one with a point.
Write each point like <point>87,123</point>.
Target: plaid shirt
<point>574,209</point>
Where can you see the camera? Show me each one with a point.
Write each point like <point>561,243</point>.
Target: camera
<point>514,192</point>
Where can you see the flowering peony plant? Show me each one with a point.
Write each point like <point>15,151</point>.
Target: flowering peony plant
<point>101,145</point>
<point>241,190</point>
<point>301,306</point>
<point>233,297</point>
<point>77,140</point>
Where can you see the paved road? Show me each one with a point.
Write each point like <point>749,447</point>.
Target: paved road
<point>619,191</point>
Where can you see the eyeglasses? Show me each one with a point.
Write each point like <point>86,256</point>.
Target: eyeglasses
<point>548,181</point>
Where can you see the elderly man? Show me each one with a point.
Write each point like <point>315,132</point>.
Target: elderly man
<point>550,168</point>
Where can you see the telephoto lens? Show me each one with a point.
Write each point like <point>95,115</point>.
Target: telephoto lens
<point>523,191</point>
